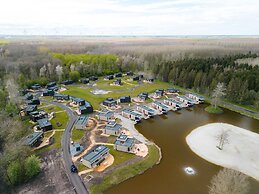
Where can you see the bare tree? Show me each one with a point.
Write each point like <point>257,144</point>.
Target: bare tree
<point>218,92</point>
<point>59,72</point>
<point>229,181</point>
<point>13,90</point>
<point>43,71</point>
<point>72,67</point>
<point>223,139</point>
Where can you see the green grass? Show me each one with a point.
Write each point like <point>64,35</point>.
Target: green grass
<point>48,133</point>
<point>77,134</point>
<point>81,167</point>
<point>2,42</point>
<point>213,110</point>
<point>120,157</point>
<point>105,85</point>
<point>95,100</point>
<point>127,172</point>
<point>62,118</point>
<point>56,145</point>
<point>51,108</point>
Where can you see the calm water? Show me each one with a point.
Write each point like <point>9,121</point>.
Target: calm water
<point>169,132</point>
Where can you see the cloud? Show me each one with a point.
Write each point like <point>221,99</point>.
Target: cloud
<point>130,17</point>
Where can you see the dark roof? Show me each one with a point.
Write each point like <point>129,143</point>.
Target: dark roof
<point>44,123</point>
<point>30,108</point>
<point>32,137</point>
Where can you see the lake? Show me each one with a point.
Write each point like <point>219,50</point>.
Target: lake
<point>169,132</point>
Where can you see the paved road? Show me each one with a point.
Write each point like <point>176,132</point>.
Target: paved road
<point>74,178</point>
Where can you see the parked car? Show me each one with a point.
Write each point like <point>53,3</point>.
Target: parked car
<point>73,168</point>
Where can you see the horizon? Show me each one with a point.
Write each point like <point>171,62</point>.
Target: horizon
<point>129,17</point>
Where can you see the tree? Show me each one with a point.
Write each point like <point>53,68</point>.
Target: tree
<point>75,75</point>
<point>223,139</point>
<point>15,173</point>
<point>218,92</point>
<point>229,181</point>
<point>59,72</point>
<point>43,71</point>
<point>32,166</point>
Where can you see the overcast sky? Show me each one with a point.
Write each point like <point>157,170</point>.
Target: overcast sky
<point>129,17</point>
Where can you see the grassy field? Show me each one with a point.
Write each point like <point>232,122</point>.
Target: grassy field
<point>77,134</point>
<point>62,118</point>
<point>95,100</point>
<point>127,172</point>
<point>105,85</point>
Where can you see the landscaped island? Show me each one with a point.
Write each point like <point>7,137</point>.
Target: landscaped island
<point>239,150</point>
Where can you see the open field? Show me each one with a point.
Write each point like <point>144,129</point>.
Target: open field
<point>95,100</point>
<point>127,172</point>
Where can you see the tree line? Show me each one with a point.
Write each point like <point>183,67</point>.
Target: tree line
<point>203,74</point>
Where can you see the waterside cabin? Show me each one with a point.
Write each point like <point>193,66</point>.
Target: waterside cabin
<point>186,102</point>
<point>124,143</point>
<point>160,106</point>
<point>196,98</point>
<point>148,112</point>
<point>176,105</point>
<point>132,115</point>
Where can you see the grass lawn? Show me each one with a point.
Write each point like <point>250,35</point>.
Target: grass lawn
<point>81,167</point>
<point>56,145</point>
<point>127,172</point>
<point>105,85</point>
<point>48,98</point>
<point>120,157</point>
<point>62,118</point>
<point>77,134</point>
<point>95,100</point>
<point>51,108</point>
<point>47,133</point>
<point>213,110</point>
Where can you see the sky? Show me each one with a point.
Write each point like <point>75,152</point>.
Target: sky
<point>129,17</point>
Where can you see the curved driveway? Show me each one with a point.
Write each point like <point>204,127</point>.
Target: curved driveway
<point>74,178</point>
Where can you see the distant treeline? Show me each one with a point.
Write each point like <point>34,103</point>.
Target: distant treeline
<point>90,64</point>
<point>203,74</point>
